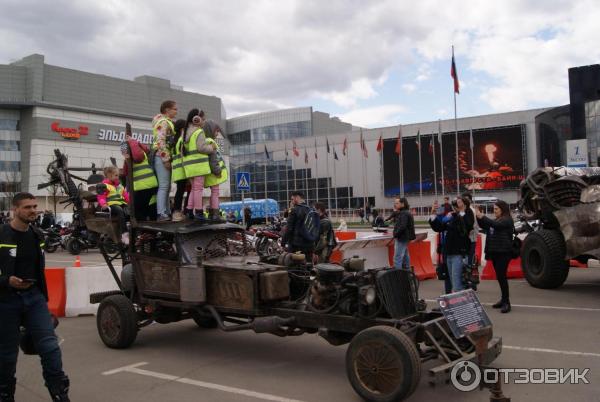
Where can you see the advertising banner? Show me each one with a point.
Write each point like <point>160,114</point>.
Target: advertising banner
<point>499,156</point>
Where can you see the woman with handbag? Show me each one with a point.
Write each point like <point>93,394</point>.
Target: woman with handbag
<point>498,246</point>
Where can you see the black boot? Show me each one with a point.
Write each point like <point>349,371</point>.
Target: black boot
<point>498,304</point>
<point>199,216</point>
<point>214,216</point>
<point>505,307</point>
<point>59,390</point>
<point>7,392</point>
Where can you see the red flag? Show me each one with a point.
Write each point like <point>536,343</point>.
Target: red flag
<point>316,149</point>
<point>418,140</point>
<point>345,146</point>
<point>399,142</point>
<point>380,144</point>
<point>295,149</point>
<point>305,156</point>
<point>363,146</point>
<point>431,145</point>
<point>454,74</point>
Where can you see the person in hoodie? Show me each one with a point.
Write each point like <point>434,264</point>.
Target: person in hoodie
<point>218,170</point>
<point>163,130</point>
<point>113,196</point>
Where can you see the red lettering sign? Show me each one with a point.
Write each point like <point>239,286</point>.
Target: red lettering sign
<point>69,132</point>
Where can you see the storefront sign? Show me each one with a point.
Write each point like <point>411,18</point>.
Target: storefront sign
<point>69,133</point>
<point>577,153</point>
<point>106,134</point>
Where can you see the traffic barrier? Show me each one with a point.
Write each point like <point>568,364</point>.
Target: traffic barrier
<point>577,264</point>
<point>345,235</point>
<point>514,270</point>
<point>420,259</point>
<point>81,282</point>
<point>57,293</point>
<point>77,262</point>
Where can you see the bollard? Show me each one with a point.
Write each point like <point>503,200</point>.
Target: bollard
<point>77,262</point>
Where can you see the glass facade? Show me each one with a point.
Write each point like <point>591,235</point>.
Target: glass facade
<point>592,128</point>
<point>553,128</point>
<point>10,161</point>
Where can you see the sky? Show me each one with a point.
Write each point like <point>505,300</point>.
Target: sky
<point>370,63</point>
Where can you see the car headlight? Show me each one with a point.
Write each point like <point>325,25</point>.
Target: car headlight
<point>369,295</point>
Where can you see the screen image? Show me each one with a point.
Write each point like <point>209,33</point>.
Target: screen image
<point>497,161</point>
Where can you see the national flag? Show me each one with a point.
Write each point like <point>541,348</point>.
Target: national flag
<point>440,132</point>
<point>418,140</point>
<point>267,153</point>
<point>305,156</point>
<point>471,144</point>
<point>380,143</point>
<point>431,145</point>
<point>295,149</point>
<point>316,149</point>
<point>454,74</point>
<point>345,147</point>
<point>363,146</point>
<point>335,155</point>
<point>398,149</point>
<point>286,151</point>
<point>328,150</point>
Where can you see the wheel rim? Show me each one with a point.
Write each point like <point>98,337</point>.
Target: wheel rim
<point>534,262</point>
<point>378,369</point>
<point>110,323</point>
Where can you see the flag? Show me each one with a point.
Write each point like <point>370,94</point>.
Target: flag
<point>398,149</point>
<point>418,140</point>
<point>345,147</point>
<point>454,74</point>
<point>286,151</point>
<point>305,156</point>
<point>328,150</point>
<point>380,143</point>
<point>440,131</point>
<point>363,146</point>
<point>267,153</point>
<point>431,145</point>
<point>316,149</point>
<point>295,149</point>
<point>471,139</point>
<point>335,155</point>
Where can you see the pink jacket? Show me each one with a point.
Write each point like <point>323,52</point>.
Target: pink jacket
<point>102,197</point>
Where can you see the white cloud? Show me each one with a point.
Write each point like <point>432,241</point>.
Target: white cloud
<point>376,116</point>
<point>408,88</point>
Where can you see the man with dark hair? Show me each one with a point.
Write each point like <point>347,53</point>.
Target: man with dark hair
<point>293,236</point>
<point>327,241</point>
<point>23,298</point>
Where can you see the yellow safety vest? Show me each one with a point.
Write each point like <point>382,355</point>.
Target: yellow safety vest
<point>143,176</point>
<point>115,195</point>
<point>177,171</point>
<point>212,180</point>
<point>155,130</point>
<point>194,163</point>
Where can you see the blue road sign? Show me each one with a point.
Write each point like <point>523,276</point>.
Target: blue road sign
<point>242,180</point>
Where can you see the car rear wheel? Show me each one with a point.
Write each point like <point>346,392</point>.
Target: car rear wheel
<point>117,322</point>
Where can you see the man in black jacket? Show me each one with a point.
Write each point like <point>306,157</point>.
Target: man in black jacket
<point>293,234</point>
<point>23,297</point>
<point>404,232</point>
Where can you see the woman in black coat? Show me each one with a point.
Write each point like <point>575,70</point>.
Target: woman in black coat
<point>498,246</point>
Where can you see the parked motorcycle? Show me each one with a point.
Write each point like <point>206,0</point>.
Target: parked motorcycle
<point>52,239</point>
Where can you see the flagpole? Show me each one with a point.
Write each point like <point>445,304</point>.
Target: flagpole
<point>306,171</point>
<point>364,172</point>
<point>335,183</point>
<point>287,189</point>
<point>434,167</point>
<point>456,138</point>
<point>472,160</point>
<point>441,156</point>
<point>348,175</point>
<point>316,173</point>
<point>328,178</point>
<point>420,172</point>
<point>401,167</point>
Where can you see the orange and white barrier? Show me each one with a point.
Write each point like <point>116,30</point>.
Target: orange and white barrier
<point>57,292</point>
<point>80,283</point>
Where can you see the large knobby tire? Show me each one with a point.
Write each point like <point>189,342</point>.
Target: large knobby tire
<point>117,322</point>
<point>543,259</point>
<point>383,364</point>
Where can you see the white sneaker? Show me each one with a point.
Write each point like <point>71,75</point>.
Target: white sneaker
<point>125,239</point>
<point>178,216</point>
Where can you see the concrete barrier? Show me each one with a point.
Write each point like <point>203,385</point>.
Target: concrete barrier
<point>80,282</point>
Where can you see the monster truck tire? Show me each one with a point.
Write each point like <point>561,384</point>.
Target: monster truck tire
<point>543,259</point>
<point>383,364</point>
<point>117,322</point>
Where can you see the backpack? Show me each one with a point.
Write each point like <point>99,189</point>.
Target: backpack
<point>311,227</point>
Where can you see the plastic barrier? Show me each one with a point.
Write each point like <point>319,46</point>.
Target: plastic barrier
<point>577,264</point>
<point>345,235</point>
<point>81,282</point>
<point>514,270</point>
<point>57,293</point>
<point>420,259</point>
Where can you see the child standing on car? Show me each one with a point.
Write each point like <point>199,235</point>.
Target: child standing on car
<point>218,171</point>
<point>113,196</point>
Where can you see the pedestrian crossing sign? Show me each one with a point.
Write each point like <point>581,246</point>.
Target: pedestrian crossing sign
<point>243,181</point>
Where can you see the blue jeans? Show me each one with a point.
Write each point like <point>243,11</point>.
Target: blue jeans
<point>29,309</point>
<point>455,271</point>
<point>401,257</point>
<point>163,175</point>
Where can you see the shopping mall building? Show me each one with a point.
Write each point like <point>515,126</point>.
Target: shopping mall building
<point>43,107</point>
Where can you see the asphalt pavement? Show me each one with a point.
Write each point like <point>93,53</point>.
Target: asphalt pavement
<point>180,362</point>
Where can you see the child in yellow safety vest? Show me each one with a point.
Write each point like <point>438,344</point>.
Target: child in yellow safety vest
<point>113,196</point>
